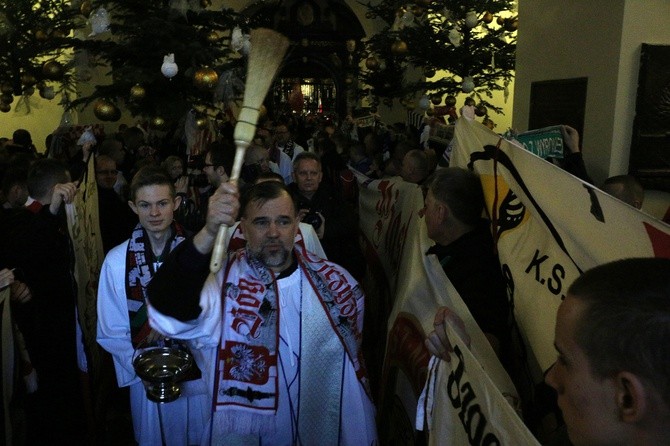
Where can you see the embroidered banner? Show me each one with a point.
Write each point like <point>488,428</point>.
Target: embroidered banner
<point>84,227</point>
<point>551,227</point>
<point>469,409</point>
<point>411,286</point>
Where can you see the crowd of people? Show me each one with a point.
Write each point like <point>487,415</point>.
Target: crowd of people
<point>276,334</point>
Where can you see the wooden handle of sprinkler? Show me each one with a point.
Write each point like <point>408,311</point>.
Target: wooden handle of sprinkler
<point>220,244</point>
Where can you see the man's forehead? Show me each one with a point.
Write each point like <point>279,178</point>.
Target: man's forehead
<point>568,316</point>
<point>106,162</point>
<point>274,207</point>
<point>308,164</point>
<point>154,191</point>
<point>258,153</point>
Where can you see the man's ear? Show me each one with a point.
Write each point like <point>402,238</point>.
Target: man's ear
<point>442,211</point>
<point>133,207</point>
<point>177,202</point>
<point>632,397</point>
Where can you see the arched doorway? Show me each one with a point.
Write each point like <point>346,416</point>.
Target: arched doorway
<point>321,64</point>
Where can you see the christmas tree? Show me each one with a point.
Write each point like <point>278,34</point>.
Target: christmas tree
<point>165,59</point>
<point>35,39</point>
<point>456,46</point>
<point>51,45</point>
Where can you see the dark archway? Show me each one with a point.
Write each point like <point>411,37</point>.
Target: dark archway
<point>321,58</point>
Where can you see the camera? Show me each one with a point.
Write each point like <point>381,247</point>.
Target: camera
<point>313,219</point>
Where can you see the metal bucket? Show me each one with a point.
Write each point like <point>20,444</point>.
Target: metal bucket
<point>160,369</point>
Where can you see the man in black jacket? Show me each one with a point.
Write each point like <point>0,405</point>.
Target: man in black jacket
<point>465,249</point>
<point>37,244</point>
<point>334,220</point>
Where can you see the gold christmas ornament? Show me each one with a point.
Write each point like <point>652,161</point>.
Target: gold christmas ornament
<point>47,92</point>
<point>500,21</point>
<point>450,101</point>
<point>28,79</point>
<point>205,78</point>
<point>511,25</point>
<point>487,17</point>
<point>480,110</point>
<point>86,8</point>
<point>429,72</point>
<point>436,99</point>
<point>399,47</point>
<point>349,79</point>
<point>430,112</point>
<point>106,111</point>
<point>137,92</point>
<point>5,108</point>
<point>205,3</point>
<point>201,122</point>
<point>41,35</point>
<point>6,98</point>
<point>470,102</point>
<point>471,19</point>
<point>372,63</point>
<point>53,70</point>
<point>60,33</point>
<point>213,37</point>
<point>157,122</point>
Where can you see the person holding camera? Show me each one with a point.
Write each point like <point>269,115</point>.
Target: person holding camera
<point>333,219</point>
<point>196,188</point>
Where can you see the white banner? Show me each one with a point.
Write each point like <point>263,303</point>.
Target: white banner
<point>84,228</point>
<point>551,227</point>
<point>396,242</point>
<point>467,406</point>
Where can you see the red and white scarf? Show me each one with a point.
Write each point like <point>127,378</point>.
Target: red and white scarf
<point>246,383</point>
<point>140,268</point>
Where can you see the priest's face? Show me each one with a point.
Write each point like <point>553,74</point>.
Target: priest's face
<point>270,229</point>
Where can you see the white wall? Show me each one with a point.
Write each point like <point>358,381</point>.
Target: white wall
<point>598,39</point>
<point>42,119</point>
<point>570,39</point>
<point>645,21</point>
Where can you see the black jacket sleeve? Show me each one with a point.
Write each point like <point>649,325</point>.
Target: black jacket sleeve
<point>574,164</point>
<point>175,288</point>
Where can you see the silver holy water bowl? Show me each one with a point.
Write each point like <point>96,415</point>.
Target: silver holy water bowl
<point>161,369</point>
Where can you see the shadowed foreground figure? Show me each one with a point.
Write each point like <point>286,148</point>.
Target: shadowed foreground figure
<point>612,374</point>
